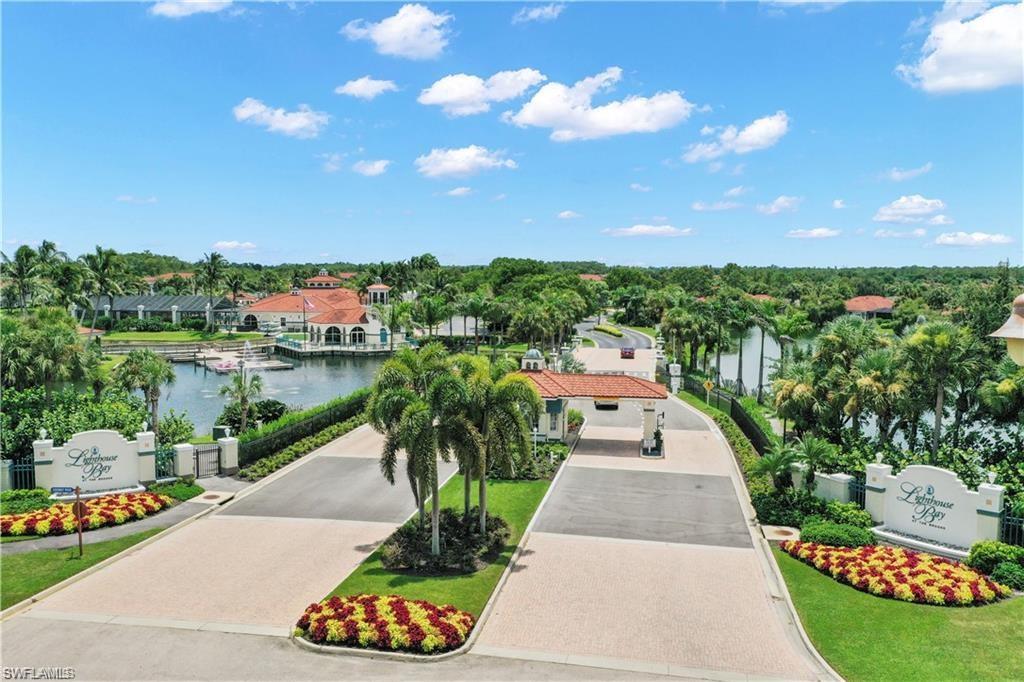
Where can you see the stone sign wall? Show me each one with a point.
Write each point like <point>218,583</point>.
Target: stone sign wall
<point>95,461</point>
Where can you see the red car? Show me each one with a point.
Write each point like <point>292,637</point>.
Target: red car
<point>627,353</point>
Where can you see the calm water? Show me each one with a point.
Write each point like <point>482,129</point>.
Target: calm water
<point>313,381</point>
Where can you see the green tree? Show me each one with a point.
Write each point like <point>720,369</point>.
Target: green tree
<point>430,311</point>
<point>243,389</point>
<point>236,281</point>
<point>814,453</point>
<point>148,372</point>
<point>395,317</point>
<point>212,271</point>
<point>24,274</point>
<point>477,305</point>
<point>105,267</point>
<point>776,463</point>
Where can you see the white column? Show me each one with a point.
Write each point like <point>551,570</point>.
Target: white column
<point>874,490</point>
<point>649,423</point>
<point>141,308</point>
<point>990,508</point>
<point>798,470</point>
<point>174,314</point>
<point>42,453</point>
<point>209,314</point>
<point>184,459</point>
<point>228,455</point>
<point>145,445</point>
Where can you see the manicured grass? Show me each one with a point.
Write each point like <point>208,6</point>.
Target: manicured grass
<point>589,343</point>
<point>865,637</point>
<point>27,574</point>
<point>514,348</point>
<point>514,501</point>
<point>110,362</point>
<point>180,490</point>
<point>180,336</point>
<point>199,440</point>
<point>650,331</point>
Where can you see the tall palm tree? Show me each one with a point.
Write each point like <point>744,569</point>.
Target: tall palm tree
<point>243,390</point>
<point>212,271</point>
<point>430,311</point>
<point>68,285</point>
<point>24,273</point>
<point>528,321</point>
<point>105,267</point>
<point>675,327</point>
<point>395,317</point>
<point>763,315</point>
<point>881,388</point>
<point>477,305</point>
<point>789,326</point>
<point>146,371</point>
<point>235,281</point>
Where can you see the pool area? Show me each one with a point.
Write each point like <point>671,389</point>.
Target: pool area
<point>313,381</point>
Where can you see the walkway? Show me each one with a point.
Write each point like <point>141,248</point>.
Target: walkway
<point>629,339</point>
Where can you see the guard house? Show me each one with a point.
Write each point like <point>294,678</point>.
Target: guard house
<point>557,388</point>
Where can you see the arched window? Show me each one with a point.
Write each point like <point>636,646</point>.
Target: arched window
<point>357,335</point>
<point>249,321</point>
<point>332,337</point>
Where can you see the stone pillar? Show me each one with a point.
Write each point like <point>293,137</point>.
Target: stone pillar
<point>228,455</point>
<point>209,315</point>
<point>649,423</point>
<point>841,486</point>
<point>145,443</point>
<point>990,510</point>
<point>42,452</point>
<point>141,308</point>
<point>184,460</point>
<point>798,471</point>
<point>874,490</point>
<point>174,314</point>
<point>5,474</point>
<point>106,310</point>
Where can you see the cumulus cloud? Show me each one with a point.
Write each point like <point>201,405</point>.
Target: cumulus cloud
<point>413,33</point>
<point>571,115</point>
<point>894,234</point>
<point>815,233</point>
<point>901,174</point>
<point>970,47</point>
<point>538,13</point>
<point>940,220</point>
<point>371,168</point>
<point>909,209</point>
<point>461,94</point>
<point>838,203</point>
<point>637,187</point>
<point>331,163</point>
<point>648,231</point>
<point>177,9</point>
<point>568,215</point>
<point>461,162</point>
<point>760,134</point>
<point>459,191</point>
<point>233,245</point>
<point>972,239</point>
<point>132,199</point>
<point>527,221</point>
<point>366,88</point>
<point>780,204</point>
<point>714,206</point>
<point>302,123</point>
<point>736,191</point>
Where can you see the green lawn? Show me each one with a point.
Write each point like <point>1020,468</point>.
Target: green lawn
<point>514,501</point>
<point>180,337</point>
<point>650,331</point>
<point>503,348</point>
<point>110,362</point>
<point>589,343</point>
<point>870,638</point>
<point>32,572</point>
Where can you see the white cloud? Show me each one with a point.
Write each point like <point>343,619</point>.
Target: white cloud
<point>659,218</point>
<point>709,130</point>
<point>233,245</point>
<point>816,233</point>
<point>637,187</point>
<point>940,220</point>
<point>461,94</point>
<point>528,221</point>
<point>538,13</point>
<point>414,33</point>
<point>648,231</point>
<point>780,204</point>
<point>302,123</point>
<point>908,209</point>
<point>894,234</point>
<point>838,203</point>
<point>569,215</point>
<point>972,239</point>
<point>177,9</point>
<point>570,114</point>
<point>970,48</point>
<point>366,88</point>
<point>461,162</point>
<point>737,191</point>
<point>132,199</point>
<point>371,168</point>
<point>760,134</point>
<point>901,174</point>
<point>331,162</point>
<point>714,206</point>
<point>500,197</point>
<point>459,191</point>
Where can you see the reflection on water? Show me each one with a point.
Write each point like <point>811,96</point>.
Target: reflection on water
<point>313,381</point>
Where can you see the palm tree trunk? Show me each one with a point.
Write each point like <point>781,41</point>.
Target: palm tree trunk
<point>718,357</point>
<point>421,503</point>
<point>476,334</point>
<point>467,482</point>
<point>154,402</point>
<point>483,502</point>
<point>739,369</point>
<point>760,370</point>
<point>940,395</point>
<point>435,517</point>
<point>244,405</point>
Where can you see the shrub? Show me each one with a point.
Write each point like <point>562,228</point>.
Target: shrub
<point>268,465</point>
<point>392,623</point>
<point>849,513</point>
<point>755,411</point>
<point>575,419</point>
<point>608,329</point>
<point>175,428</point>
<point>898,573</point>
<point>108,510</point>
<point>195,324</point>
<point>987,554</point>
<point>463,548</point>
<point>787,507</point>
<point>21,501</point>
<point>1010,574</point>
<point>836,534</point>
<point>182,489</point>
<point>134,324</point>
<point>535,466</point>
<point>259,412</point>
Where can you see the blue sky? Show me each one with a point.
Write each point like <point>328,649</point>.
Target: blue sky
<point>705,133</point>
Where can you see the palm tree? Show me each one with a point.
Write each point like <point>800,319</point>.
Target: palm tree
<point>243,390</point>
<point>776,463</point>
<point>235,281</point>
<point>430,311</point>
<point>477,305</point>
<point>881,388</point>
<point>528,321</point>
<point>787,327</point>
<point>675,327</point>
<point>68,285</point>
<point>763,315</point>
<point>503,406</point>
<point>395,317</point>
<point>815,453</point>
<point>212,271</point>
<point>146,371</point>
<point>24,273</point>
<point>105,268</point>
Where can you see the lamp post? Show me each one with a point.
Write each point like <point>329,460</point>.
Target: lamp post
<point>1013,331</point>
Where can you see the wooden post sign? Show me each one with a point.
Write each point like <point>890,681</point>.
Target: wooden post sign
<point>80,510</point>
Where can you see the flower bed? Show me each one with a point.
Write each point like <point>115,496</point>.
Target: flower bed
<point>109,510</point>
<point>389,623</point>
<point>898,573</point>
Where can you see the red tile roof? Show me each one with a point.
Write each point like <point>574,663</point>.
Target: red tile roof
<point>378,287</point>
<point>347,275</point>
<point>592,277</point>
<point>323,278</point>
<point>561,385</point>
<point>869,304</point>
<point>341,316</point>
<point>317,301</point>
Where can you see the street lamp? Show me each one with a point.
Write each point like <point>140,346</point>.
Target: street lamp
<point>1013,331</point>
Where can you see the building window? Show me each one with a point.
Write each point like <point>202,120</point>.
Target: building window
<point>357,335</point>
<point>249,321</point>
<point>333,336</point>
<point>554,422</point>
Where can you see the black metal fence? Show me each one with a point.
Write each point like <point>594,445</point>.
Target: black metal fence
<point>23,473</point>
<point>164,459</point>
<point>207,459</point>
<point>1013,528</point>
<point>726,403</point>
<point>857,494</point>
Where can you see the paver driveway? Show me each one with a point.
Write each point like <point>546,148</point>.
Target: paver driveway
<point>254,565</point>
<point>645,565</point>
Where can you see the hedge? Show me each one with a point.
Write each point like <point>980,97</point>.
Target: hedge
<point>294,426</point>
<point>607,329</point>
<point>270,464</point>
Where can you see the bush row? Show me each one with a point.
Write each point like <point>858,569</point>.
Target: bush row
<point>268,465</point>
<point>464,549</point>
<point>836,534</point>
<point>154,324</point>
<point>796,508</point>
<point>608,329</point>
<point>755,411</point>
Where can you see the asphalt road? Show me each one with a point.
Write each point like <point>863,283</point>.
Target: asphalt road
<point>630,338</point>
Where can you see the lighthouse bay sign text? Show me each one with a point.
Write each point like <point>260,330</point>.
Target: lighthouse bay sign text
<point>95,461</point>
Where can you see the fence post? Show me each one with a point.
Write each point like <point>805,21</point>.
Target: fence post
<point>42,458</point>
<point>228,455</point>
<point>184,459</point>
<point>874,490</point>
<point>6,483</point>
<point>990,510</point>
<point>145,446</point>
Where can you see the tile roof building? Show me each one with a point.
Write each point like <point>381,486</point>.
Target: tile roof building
<point>869,306</point>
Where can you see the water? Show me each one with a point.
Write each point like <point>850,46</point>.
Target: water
<point>313,381</point>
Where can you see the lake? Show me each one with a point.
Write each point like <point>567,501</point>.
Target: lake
<point>313,381</point>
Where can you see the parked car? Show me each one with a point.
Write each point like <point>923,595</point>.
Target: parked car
<point>627,353</point>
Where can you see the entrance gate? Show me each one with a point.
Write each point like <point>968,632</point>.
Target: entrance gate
<point>207,460</point>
